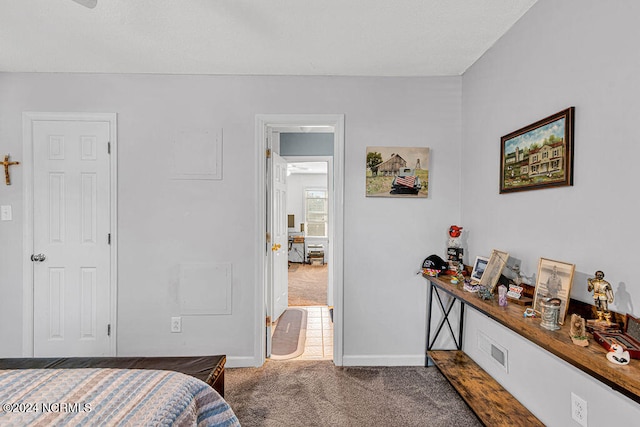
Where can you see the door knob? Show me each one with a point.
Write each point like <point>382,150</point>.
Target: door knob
<point>38,257</point>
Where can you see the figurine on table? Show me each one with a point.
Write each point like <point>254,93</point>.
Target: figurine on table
<point>602,295</point>
<point>455,251</point>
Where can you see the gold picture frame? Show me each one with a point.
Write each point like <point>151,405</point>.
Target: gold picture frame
<point>491,275</point>
<point>554,280</point>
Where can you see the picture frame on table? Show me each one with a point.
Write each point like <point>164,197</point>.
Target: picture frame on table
<point>539,155</point>
<point>491,274</point>
<point>479,266</point>
<point>554,280</point>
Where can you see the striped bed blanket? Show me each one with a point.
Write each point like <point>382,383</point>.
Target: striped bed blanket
<point>109,397</point>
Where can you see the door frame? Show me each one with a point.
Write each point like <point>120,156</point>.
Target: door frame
<point>27,265</point>
<point>262,123</point>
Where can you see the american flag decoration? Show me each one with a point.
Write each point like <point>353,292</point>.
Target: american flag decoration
<point>407,181</point>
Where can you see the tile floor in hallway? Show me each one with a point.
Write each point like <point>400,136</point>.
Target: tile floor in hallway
<point>319,342</point>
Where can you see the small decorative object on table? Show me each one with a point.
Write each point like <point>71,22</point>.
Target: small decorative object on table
<point>550,313</point>
<point>628,339</point>
<point>484,293</point>
<point>502,296</point>
<point>602,296</point>
<point>455,251</point>
<point>471,286</point>
<point>515,291</point>
<point>433,265</point>
<point>618,355</point>
<point>578,331</point>
<point>430,272</point>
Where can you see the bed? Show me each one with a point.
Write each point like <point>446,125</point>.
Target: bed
<point>109,396</point>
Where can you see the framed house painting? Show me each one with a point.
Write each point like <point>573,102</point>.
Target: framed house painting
<point>397,172</point>
<point>539,155</point>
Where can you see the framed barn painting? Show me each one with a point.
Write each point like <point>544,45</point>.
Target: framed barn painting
<point>397,172</point>
<point>539,155</point>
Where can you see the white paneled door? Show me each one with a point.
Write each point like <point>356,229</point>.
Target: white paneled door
<point>71,238</point>
<point>279,245</point>
<point>277,292</point>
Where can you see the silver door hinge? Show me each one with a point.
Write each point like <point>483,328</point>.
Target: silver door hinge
<point>109,330</point>
<point>109,238</point>
<point>108,148</point>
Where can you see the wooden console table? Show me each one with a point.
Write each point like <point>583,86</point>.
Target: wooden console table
<point>591,360</point>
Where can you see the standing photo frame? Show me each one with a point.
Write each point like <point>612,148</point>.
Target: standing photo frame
<point>554,280</point>
<point>539,155</point>
<point>497,261</point>
<point>479,266</point>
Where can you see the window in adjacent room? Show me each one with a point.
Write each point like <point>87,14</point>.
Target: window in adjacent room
<point>316,212</point>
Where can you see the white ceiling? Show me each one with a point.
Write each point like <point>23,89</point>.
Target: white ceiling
<point>253,37</point>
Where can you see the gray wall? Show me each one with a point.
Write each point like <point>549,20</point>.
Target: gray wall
<point>561,53</point>
<point>163,223</point>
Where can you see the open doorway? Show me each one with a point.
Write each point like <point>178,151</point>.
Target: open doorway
<point>309,222</point>
<point>269,129</point>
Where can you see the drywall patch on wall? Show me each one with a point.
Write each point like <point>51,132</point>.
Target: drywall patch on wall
<point>205,289</point>
<point>197,154</point>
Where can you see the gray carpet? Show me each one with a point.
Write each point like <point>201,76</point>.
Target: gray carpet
<point>301,393</point>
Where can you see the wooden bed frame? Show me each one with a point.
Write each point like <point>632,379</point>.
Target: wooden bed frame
<point>209,369</point>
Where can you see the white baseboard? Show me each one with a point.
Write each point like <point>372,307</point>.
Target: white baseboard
<point>370,360</point>
<point>241,362</point>
<point>384,360</point>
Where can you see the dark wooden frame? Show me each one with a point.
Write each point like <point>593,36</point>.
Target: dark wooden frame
<point>540,180</point>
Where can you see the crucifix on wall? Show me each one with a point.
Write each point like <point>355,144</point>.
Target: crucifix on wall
<point>6,164</point>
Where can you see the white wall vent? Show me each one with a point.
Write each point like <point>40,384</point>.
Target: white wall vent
<point>495,351</point>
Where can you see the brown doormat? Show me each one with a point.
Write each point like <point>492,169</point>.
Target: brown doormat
<point>290,334</point>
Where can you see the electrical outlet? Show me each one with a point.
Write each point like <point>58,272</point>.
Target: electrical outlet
<point>579,409</point>
<point>176,324</point>
<point>5,213</point>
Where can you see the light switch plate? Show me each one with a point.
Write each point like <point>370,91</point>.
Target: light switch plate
<point>5,213</point>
